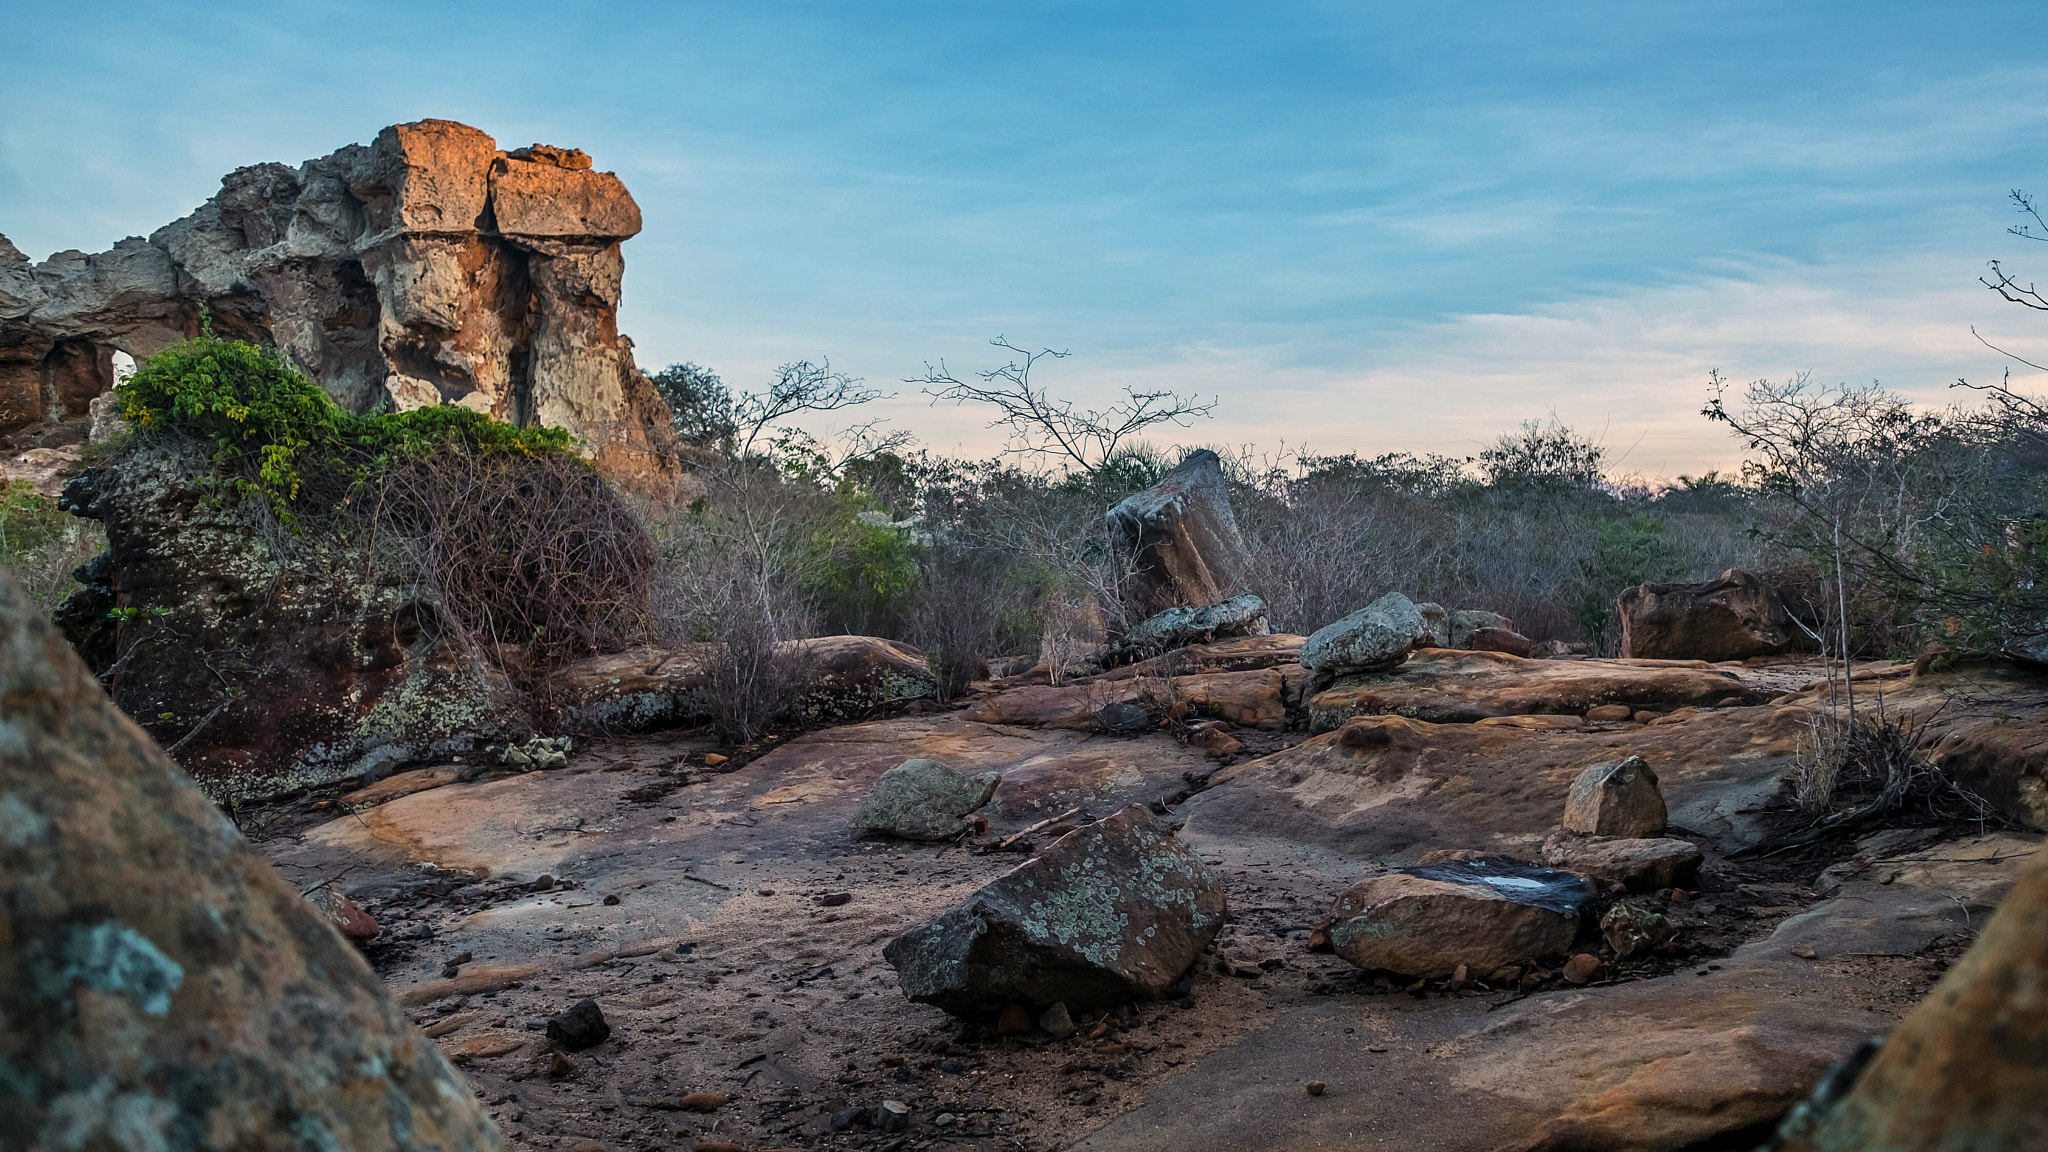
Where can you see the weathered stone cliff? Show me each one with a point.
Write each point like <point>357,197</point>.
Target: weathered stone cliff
<point>427,267</point>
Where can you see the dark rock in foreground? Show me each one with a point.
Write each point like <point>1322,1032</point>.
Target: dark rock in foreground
<point>161,986</point>
<point>1112,912</point>
<point>1482,912</point>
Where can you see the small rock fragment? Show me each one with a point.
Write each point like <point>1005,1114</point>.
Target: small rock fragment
<point>1057,1022</point>
<point>345,914</point>
<point>713,759</point>
<point>582,1026</point>
<point>611,900</point>
<point>1633,931</point>
<point>703,1101</point>
<point>1014,1021</point>
<point>560,1066</point>
<point>1803,950</point>
<point>1315,1087</point>
<point>1607,713</point>
<point>1583,969</point>
<point>892,1116</point>
<point>835,899</point>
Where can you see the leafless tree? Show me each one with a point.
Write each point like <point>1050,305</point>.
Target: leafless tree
<point>1045,427</point>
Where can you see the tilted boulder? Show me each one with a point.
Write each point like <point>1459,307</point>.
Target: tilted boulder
<point>1242,615</point>
<point>1640,865</point>
<point>1968,1068</point>
<point>1376,637</point>
<point>1732,617</point>
<point>1618,798</point>
<point>162,986</point>
<point>924,800</point>
<point>1482,912</point>
<point>1111,912</point>
<point>1181,538</point>
<point>427,267</point>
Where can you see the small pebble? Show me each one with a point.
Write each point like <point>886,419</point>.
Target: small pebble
<point>835,899</point>
<point>713,759</point>
<point>704,1101</point>
<point>611,899</point>
<point>1315,1087</point>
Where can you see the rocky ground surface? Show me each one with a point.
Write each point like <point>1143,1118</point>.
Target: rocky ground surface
<point>729,924</point>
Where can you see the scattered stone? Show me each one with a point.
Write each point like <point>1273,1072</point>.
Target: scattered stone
<point>714,759</point>
<point>1124,718</point>
<point>1315,1087</point>
<point>1112,912</point>
<point>560,1066</point>
<point>1057,1022</point>
<point>1619,798</point>
<point>923,800</point>
<point>345,914</point>
<point>836,899</point>
<point>1181,538</point>
<point>582,1026</point>
<point>1178,627</point>
<point>165,987</point>
<point>611,900</point>
<point>1584,968</point>
<point>1609,713</point>
<point>589,1146</point>
<point>1640,865</point>
<point>1014,1021</point>
<point>892,1116</point>
<point>703,1101</point>
<point>1377,636</point>
<point>1803,950</point>
<point>1485,912</point>
<point>1733,617</point>
<point>1633,931</point>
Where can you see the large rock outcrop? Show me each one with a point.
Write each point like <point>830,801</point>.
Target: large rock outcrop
<point>427,267</point>
<point>1732,617</point>
<point>1181,538</point>
<point>162,987</point>
<point>268,660</point>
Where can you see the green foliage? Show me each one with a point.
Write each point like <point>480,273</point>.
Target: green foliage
<point>700,405</point>
<point>275,432</point>
<point>1625,552</point>
<point>40,545</point>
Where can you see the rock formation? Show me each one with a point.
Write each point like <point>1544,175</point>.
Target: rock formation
<point>1969,1068</point>
<point>162,987</point>
<point>1732,617</point>
<point>1483,912</point>
<point>1181,538</point>
<point>924,800</point>
<point>1377,636</point>
<point>427,267</point>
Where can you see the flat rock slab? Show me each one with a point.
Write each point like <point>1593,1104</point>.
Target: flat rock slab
<point>1389,788</point>
<point>1251,699</point>
<point>1483,912</point>
<point>1448,687</point>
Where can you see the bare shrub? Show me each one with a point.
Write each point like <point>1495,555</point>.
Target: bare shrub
<point>1855,770</point>
<point>533,551</point>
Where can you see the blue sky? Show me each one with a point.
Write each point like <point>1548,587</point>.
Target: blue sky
<point>1363,227</point>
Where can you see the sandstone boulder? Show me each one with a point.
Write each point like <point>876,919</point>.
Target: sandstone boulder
<point>1638,865</point>
<point>1732,617</point>
<point>1446,687</point>
<point>1242,615</point>
<point>1111,912</point>
<point>1377,636</point>
<point>923,800</point>
<point>427,267</point>
<point>162,986</point>
<point>1968,1069</point>
<point>1483,912</point>
<point>1618,798</point>
<point>1181,537</point>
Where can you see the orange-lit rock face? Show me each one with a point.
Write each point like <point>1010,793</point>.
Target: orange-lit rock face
<point>427,267</point>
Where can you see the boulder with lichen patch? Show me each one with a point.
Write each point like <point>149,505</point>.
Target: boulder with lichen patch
<point>1111,912</point>
<point>1376,637</point>
<point>162,987</point>
<point>923,800</point>
<point>1181,538</point>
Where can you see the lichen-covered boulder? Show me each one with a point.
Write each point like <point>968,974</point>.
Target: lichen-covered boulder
<point>1640,865</point>
<point>1632,931</point>
<point>1482,912</point>
<point>923,800</point>
<point>1111,912</point>
<point>1243,615</point>
<point>1377,636</point>
<point>162,987</point>
<point>1732,617</point>
<point>1618,798</point>
<point>1181,538</point>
